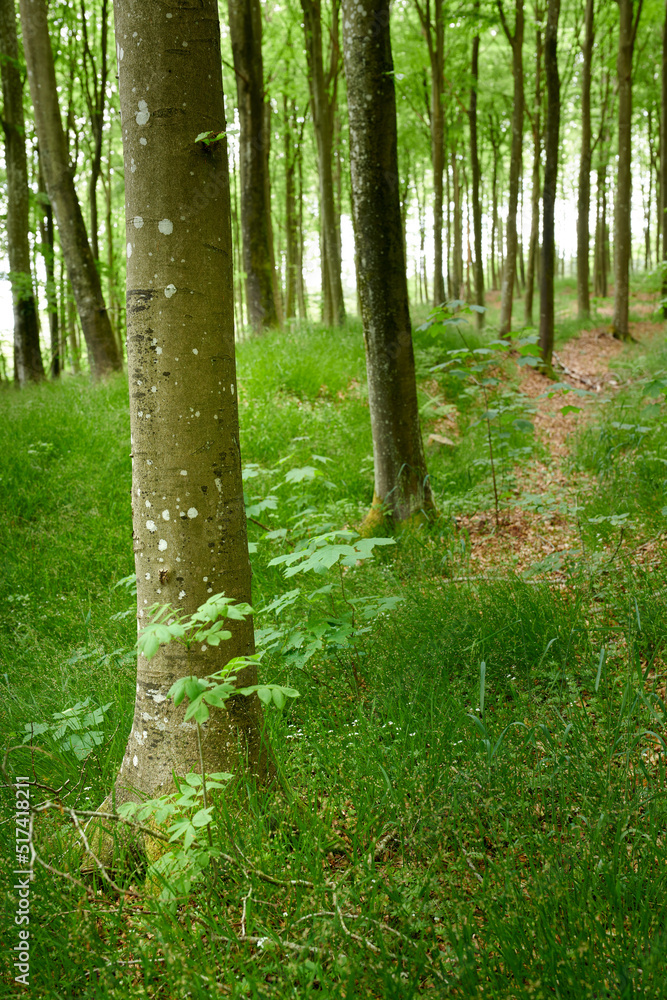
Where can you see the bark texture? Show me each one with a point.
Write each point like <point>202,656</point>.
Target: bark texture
<point>509,274</point>
<point>323,89</point>
<point>187,497</point>
<point>245,25</point>
<point>476,180</point>
<point>401,480</point>
<point>584,194</point>
<point>103,354</point>
<point>628,21</point>
<point>27,356</point>
<point>550,178</point>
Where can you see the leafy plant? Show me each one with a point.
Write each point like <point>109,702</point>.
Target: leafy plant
<point>73,730</point>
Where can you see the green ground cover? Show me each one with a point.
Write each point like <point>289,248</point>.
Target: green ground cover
<point>478,770</point>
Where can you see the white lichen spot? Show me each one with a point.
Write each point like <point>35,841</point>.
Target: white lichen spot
<point>135,760</point>
<point>181,594</point>
<point>192,512</point>
<point>170,290</point>
<point>168,16</point>
<point>143,141</point>
<point>162,545</point>
<point>143,114</point>
<point>129,250</point>
<point>197,413</point>
<point>166,226</point>
<point>232,388</point>
<point>210,590</point>
<point>153,388</point>
<point>203,649</point>
<point>195,351</point>
<point>144,734</point>
<point>158,350</point>
<point>148,576</point>
<point>157,697</point>
<point>138,222</point>
<point>148,503</point>
<point>205,579</point>
<point>218,484</point>
<point>151,526</point>
<point>165,515</point>
<point>184,472</point>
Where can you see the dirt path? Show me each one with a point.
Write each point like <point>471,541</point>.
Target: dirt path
<point>541,528</point>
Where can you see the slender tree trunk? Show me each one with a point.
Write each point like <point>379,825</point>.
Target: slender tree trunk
<point>103,353</point>
<point>245,26</point>
<point>291,248</point>
<point>401,479</point>
<point>476,179</point>
<point>550,180</point>
<point>536,121</point>
<point>509,273</point>
<point>584,197</point>
<point>663,164</point>
<point>457,248</point>
<point>95,87</point>
<point>323,99</point>
<point>27,356</point>
<point>187,497</point>
<point>47,237</point>
<point>628,22</point>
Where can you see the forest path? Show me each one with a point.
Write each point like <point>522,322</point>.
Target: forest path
<point>537,531</point>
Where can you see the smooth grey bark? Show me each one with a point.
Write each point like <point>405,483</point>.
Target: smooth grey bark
<point>103,354</point>
<point>627,33</point>
<point>476,181</point>
<point>401,480</point>
<point>323,90</point>
<point>515,39</point>
<point>187,495</point>
<point>27,356</point>
<point>536,126</point>
<point>550,180</point>
<point>584,193</point>
<point>245,26</point>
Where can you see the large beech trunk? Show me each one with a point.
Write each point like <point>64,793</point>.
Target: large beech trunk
<point>187,497</point>
<point>245,26</point>
<point>509,273</point>
<point>323,103</point>
<point>401,480</point>
<point>550,178</point>
<point>27,356</point>
<point>103,353</point>
<point>622,208</point>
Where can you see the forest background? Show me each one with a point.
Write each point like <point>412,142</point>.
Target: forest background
<point>473,774</point>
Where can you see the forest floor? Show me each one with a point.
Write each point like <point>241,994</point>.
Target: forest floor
<point>477,756</point>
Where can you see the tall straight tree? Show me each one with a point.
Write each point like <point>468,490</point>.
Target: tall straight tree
<point>433,27</point>
<point>27,356</point>
<point>103,353</point>
<point>536,126</point>
<point>550,178</point>
<point>663,163</point>
<point>187,496</point>
<point>515,39</point>
<point>627,33</point>
<point>323,89</point>
<point>245,26</point>
<point>585,161</point>
<point>401,479</point>
<point>476,177</point>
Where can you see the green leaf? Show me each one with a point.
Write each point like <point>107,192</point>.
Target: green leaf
<point>202,818</point>
<point>279,699</point>
<point>203,136</point>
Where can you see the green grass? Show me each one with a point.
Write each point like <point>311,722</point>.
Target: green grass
<point>481,778</point>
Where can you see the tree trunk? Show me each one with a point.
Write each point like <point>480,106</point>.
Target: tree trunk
<point>476,178</point>
<point>95,89</point>
<point>663,165</point>
<point>550,179</point>
<point>291,236</point>
<point>103,353</point>
<point>623,204</point>
<point>27,356</point>
<point>245,26</point>
<point>47,238</point>
<point>323,103</point>
<point>401,479</point>
<point>584,196</point>
<point>536,122</point>
<point>509,272</point>
<point>457,243</point>
<point>187,497</point>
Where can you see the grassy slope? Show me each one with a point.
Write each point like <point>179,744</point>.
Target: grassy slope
<point>471,858</point>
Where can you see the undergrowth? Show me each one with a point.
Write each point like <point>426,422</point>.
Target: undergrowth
<point>476,766</point>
